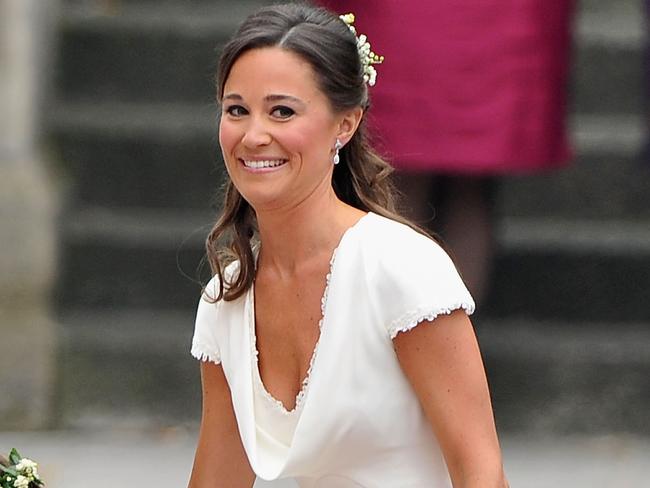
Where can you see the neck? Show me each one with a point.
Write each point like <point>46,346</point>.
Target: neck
<point>294,237</point>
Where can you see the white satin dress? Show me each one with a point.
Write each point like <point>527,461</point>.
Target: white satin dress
<point>357,421</point>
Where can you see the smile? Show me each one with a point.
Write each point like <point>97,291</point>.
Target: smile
<point>264,164</point>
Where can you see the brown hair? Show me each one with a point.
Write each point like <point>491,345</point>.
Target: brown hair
<point>360,180</point>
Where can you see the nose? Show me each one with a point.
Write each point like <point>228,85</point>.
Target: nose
<point>256,134</point>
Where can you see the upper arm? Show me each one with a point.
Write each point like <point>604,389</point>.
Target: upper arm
<point>441,360</point>
<point>220,459</point>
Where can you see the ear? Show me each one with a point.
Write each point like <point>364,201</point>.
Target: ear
<point>348,124</point>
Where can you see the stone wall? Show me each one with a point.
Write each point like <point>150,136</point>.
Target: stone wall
<point>27,220</point>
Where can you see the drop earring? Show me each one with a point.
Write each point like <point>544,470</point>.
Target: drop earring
<point>337,147</point>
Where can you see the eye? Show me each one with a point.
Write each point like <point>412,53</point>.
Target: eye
<point>235,110</point>
<point>282,112</point>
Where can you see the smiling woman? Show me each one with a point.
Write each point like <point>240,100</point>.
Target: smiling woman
<point>328,88</point>
<point>277,136</point>
<point>316,362</point>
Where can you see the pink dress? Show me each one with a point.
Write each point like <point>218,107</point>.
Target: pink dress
<point>468,86</point>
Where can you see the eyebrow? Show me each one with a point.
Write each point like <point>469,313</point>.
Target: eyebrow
<point>280,98</point>
<point>268,98</point>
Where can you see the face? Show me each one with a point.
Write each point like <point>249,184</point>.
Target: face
<point>277,129</point>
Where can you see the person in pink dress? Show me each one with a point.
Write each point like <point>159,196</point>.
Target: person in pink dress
<point>469,91</point>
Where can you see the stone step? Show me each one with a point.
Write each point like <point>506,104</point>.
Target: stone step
<point>158,156</point>
<point>608,76</point>
<point>141,53</point>
<point>544,269</point>
<point>556,378</point>
<point>604,7</point>
<point>112,6</point>
<point>134,258</point>
<point>545,377</point>
<point>571,270</point>
<point>608,179</point>
<point>597,187</point>
<point>133,364</point>
<point>167,155</point>
<point>619,22</point>
<point>137,53</point>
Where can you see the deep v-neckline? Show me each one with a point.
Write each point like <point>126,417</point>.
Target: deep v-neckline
<point>304,386</point>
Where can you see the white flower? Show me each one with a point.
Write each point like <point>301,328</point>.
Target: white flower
<point>21,482</point>
<point>372,76</point>
<point>28,469</point>
<point>26,464</point>
<point>366,56</point>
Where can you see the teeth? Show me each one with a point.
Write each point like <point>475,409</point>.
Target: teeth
<point>264,164</point>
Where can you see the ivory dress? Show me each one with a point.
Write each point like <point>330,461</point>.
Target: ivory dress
<point>357,421</point>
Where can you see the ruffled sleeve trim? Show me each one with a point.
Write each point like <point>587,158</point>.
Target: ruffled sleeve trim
<point>413,317</point>
<point>203,353</point>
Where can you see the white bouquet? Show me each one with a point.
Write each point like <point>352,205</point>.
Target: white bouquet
<point>19,472</point>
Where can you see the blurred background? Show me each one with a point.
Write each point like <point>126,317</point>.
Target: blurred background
<point>109,170</point>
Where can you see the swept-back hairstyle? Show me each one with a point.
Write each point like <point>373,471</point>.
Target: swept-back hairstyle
<point>361,179</point>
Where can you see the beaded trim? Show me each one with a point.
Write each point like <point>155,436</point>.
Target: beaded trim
<point>201,352</point>
<point>412,318</point>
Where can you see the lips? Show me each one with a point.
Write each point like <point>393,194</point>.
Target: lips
<point>266,163</point>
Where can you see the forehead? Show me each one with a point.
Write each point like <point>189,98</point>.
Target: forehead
<point>272,70</point>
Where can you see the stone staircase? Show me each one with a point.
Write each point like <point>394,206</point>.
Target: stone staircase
<point>134,121</point>
<point>564,332</point>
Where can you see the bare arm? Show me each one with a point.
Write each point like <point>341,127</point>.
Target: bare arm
<point>220,460</point>
<point>441,359</point>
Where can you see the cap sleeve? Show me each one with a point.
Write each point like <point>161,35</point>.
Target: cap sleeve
<point>418,282</point>
<point>205,346</point>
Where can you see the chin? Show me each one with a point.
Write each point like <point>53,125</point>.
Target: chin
<point>261,200</point>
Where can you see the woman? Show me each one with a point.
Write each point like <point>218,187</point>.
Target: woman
<point>312,365</point>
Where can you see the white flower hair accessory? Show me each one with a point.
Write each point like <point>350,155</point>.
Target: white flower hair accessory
<point>368,58</point>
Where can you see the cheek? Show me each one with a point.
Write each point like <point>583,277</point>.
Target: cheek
<point>311,138</point>
<point>294,141</point>
<point>228,137</point>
